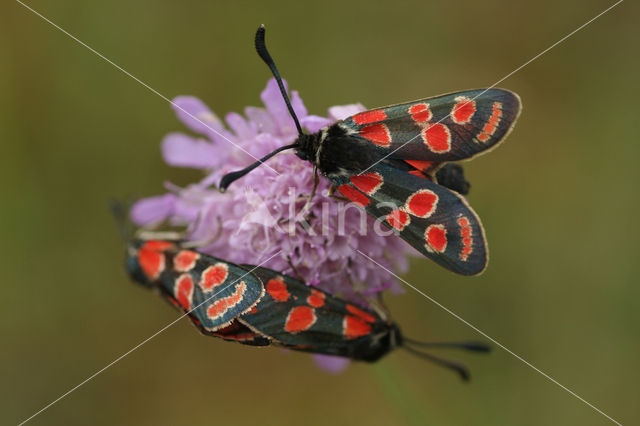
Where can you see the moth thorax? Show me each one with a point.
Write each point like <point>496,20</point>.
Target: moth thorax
<point>342,153</point>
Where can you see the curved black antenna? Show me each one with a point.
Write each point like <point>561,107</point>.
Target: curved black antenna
<point>261,48</point>
<point>229,178</point>
<point>469,346</point>
<point>119,211</point>
<point>455,366</point>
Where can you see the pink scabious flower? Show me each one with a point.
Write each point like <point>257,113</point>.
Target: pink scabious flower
<point>264,215</point>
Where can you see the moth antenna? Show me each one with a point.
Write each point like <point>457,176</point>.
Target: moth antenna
<point>229,178</point>
<point>459,368</point>
<point>469,346</point>
<point>118,210</point>
<point>261,48</point>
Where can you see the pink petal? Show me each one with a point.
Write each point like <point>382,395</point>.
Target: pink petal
<point>331,364</point>
<point>313,123</point>
<point>272,99</point>
<point>181,150</point>
<point>341,112</point>
<point>196,115</point>
<point>239,125</point>
<point>261,118</point>
<point>152,209</point>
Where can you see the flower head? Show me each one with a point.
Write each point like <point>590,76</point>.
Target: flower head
<point>263,215</point>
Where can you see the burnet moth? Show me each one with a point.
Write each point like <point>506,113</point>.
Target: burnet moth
<point>260,307</point>
<point>390,161</point>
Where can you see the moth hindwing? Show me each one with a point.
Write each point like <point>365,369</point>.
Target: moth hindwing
<point>305,318</point>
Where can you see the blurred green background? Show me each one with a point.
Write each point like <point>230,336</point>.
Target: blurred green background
<point>559,201</point>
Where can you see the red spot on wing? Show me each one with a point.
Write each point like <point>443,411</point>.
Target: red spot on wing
<point>492,124</point>
<point>437,137</point>
<point>369,183</point>
<point>253,310</point>
<point>420,113</point>
<point>354,327</point>
<point>214,276</point>
<point>360,313</point>
<point>398,219</point>
<point>299,319</point>
<point>221,306</point>
<point>377,133</point>
<point>157,245</point>
<point>185,260</point>
<point>151,258</point>
<point>369,117</point>
<point>422,203</point>
<point>354,195</point>
<point>467,239</point>
<point>436,237</point>
<point>316,299</point>
<point>278,289</point>
<point>183,290</point>
<point>151,262</point>
<point>420,165</point>
<point>463,110</point>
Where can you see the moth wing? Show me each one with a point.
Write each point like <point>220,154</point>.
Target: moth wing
<point>436,221</point>
<point>305,318</point>
<point>212,291</point>
<point>449,127</point>
<point>237,332</point>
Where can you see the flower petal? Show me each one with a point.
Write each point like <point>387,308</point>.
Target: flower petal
<point>340,112</point>
<point>153,209</point>
<point>240,126</point>
<point>331,364</point>
<point>277,108</point>
<point>195,114</point>
<point>313,123</point>
<point>181,150</point>
<point>261,118</point>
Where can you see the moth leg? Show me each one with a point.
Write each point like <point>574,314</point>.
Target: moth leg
<point>206,241</point>
<point>294,269</point>
<point>331,194</point>
<point>375,303</point>
<point>381,308</point>
<point>316,181</point>
<point>152,234</point>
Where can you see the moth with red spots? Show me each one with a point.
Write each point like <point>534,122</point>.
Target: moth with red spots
<point>391,162</point>
<point>260,307</point>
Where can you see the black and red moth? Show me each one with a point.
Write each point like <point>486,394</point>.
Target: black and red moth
<point>260,307</point>
<point>385,160</point>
